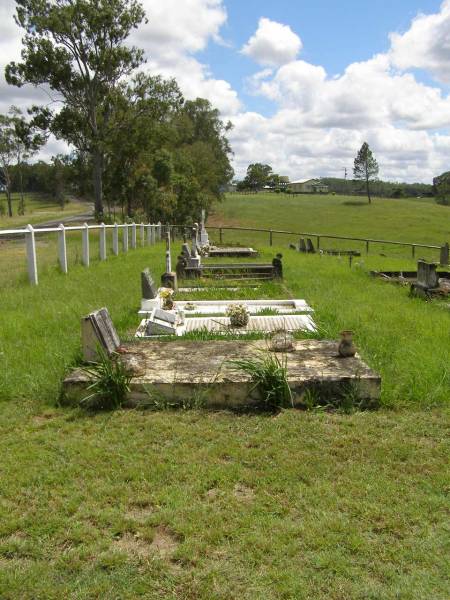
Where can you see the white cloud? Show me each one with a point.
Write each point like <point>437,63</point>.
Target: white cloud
<point>273,44</point>
<point>426,45</point>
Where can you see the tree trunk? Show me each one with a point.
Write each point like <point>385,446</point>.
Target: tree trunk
<point>97,173</point>
<point>9,201</point>
<point>368,190</point>
<point>21,210</point>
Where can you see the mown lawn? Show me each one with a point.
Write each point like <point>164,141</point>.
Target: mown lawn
<point>211,505</point>
<point>38,209</point>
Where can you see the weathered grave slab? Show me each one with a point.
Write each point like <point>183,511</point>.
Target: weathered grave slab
<point>262,324</point>
<point>214,307</point>
<point>231,251</point>
<point>180,369</point>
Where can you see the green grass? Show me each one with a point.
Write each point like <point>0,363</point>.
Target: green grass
<point>38,209</point>
<point>406,220</point>
<point>210,505</point>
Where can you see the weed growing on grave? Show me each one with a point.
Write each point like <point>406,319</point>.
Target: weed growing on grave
<point>268,374</point>
<point>111,383</point>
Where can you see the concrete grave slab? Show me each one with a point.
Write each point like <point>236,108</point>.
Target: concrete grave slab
<point>178,369</point>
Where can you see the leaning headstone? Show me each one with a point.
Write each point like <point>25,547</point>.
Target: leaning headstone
<point>149,290</point>
<point>185,252</point>
<point>445,258</point>
<point>310,246</point>
<point>427,277</point>
<point>98,331</point>
<point>302,245</point>
<point>161,322</point>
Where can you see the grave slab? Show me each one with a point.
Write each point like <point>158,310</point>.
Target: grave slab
<point>213,307</point>
<point>180,369</point>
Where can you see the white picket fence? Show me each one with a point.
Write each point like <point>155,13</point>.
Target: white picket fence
<point>148,234</point>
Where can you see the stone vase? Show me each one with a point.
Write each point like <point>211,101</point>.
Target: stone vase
<point>346,346</point>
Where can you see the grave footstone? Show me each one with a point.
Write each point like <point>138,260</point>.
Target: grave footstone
<point>149,290</point>
<point>98,331</point>
<point>161,322</point>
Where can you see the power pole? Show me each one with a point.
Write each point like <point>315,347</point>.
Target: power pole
<point>345,172</point>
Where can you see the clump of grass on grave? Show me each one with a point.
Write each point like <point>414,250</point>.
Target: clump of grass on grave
<point>111,383</point>
<point>268,373</point>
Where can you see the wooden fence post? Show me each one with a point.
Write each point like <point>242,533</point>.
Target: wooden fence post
<point>367,246</point>
<point>133,235</point>
<point>413,250</point>
<point>102,239</point>
<point>125,237</point>
<point>85,238</point>
<point>271,238</point>
<point>318,242</point>
<point>31,256</point>
<point>62,248</point>
<point>220,235</point>
<point>116,240</point>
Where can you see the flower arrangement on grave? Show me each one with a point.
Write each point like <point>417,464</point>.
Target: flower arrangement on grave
<point>238,315</point>
<point>167,299</point>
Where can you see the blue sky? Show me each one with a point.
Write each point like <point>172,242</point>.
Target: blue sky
<point>335,33</point>
<point>304,82</point>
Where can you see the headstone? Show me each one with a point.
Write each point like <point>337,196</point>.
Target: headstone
<point>185,251</point>
<point>427,277</point>
<point>310,246</point>
<point>181,267</point>
<point>445,258</point>
<point>98,331</point>
<point>161,322</point>
<point>278,266</point>
<point>169,280</point>
<point>204,238</point>
<point>302,245</point>
<point>194,258</point>
<point>149,290</point>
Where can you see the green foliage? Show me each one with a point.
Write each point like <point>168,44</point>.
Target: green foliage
<point>365,167</point>
<point>441,189</point>
<point>77,48</point>
<point>268,374</point>
<point>111,383</point>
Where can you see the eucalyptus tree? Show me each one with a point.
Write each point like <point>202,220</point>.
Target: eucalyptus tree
<point>77,49</point>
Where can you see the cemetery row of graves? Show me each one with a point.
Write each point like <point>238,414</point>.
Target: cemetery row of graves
<point>228,368</point>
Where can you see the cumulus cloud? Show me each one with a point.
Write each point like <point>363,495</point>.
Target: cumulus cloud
<point>426,45</point>
<point>273,44</point>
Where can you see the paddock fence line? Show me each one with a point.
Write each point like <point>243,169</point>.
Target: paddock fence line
<point>321,236</point>
<point>146,233</point>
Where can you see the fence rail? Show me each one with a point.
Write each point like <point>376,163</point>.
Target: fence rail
<point>148,234</point>
<point>320,236</point>
<point>151,233</point>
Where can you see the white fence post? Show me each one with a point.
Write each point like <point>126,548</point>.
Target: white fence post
<point>152,234</point>
<point>62,248</point>
<point>149,234</point>
<point>159,235</point>
<point>116,240</point>
<point>31,256</point>
<point>85,236</point>
<point>102,241</point>
<point>133,235</point>
<point>125,237</point>
<point>142,234</point>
